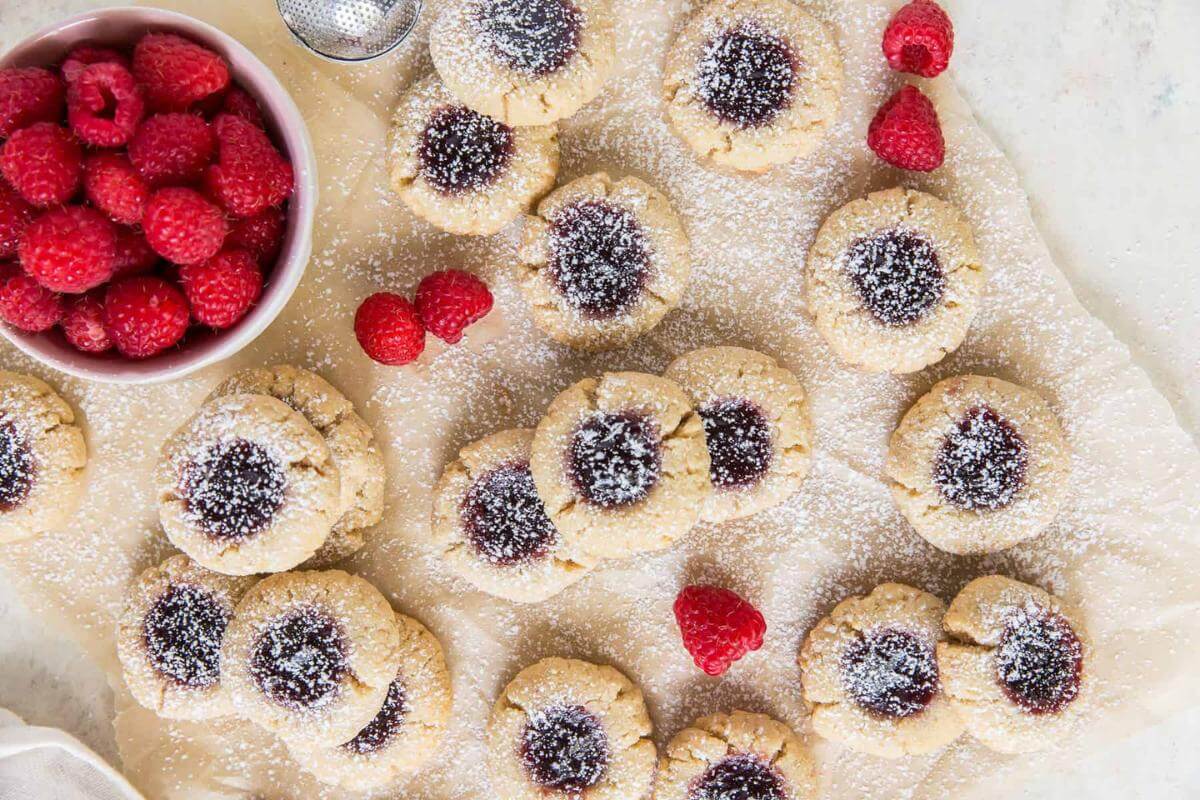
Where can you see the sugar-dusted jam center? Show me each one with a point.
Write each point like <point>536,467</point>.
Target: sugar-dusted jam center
<point>234,490</point>
<point>890,672</point>
<point>16,467</point>
<point>183,632</point>
<point>599,257</point>
<point>615,458</point>
<point>746,75</point>
<point>739,442</point>
<point>739,777</point>
<point>462,151</point>
<point>504,518</point>
<point>385,725</point>
<point>300,659</point>
<point>898,276</point>
<point>536,37</point>
<point>564,748</point>
<point>982,463</point>
<point>1039,662</point>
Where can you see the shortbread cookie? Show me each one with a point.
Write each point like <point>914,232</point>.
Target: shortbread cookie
<point>351,443</point>
<point>407,729</point>
<point>247,485</point>
<point>756,426</point>
<point>42,456</point>
<point>894,280</point>
<point>620,464</point>
<point>603,261</point>
<point>979,465</point>
<point>870,674</point>
<point>1017,670</point>
<point>569,729</point>
<point>462,171</point>
<point>310,656</point>
<point>169,638</point>
<point>492,528</point>
<point>752,83</point>
<point>738,755</point>
<point>524,62</point>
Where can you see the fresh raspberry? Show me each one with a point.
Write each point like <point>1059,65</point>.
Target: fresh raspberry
<point>906,132</point>
<point>176,72</point>
<point>239,103</point>
<point>919,39</point>
<point>449,301</point>
<point>172,148</point>
<point>83,56</point>
<point>70,249</point>
<point>83,323</point>
<point>112,185</point>
<point>15,216</point>
<point>261,234</point>
<point>250,174</point>
<point>104,105</point>
<point>389,330</point>
<point>134,254</point>
<point>43,162</point>
<point>29,95</point>
<point>182,226</point>
<point>25,304</point>
<point>222,289</point>
<point>144,315</point>
<point>718,627</point>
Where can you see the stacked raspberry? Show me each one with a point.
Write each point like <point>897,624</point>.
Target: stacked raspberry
<point>140,196</point>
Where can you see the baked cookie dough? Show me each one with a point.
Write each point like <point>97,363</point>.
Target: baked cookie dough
<point>752,83</point>
<point>738,755</point>
<point>569,729</point>
<point>491,526</point>
<point>871,677</point>
<point>756,427</point>
<point>42,456</point>
<point>1017,670</point>
<point>978,465</point>
<point>407,729</point>
<point>524,62</point>
<point>310,656</point>
<point>464,172</point>
<point>351,444</point>
<point>169,638</point>
<point>894,280</point>
<point>247,485</point>
<point>603,261</point>
<point>620,464</point>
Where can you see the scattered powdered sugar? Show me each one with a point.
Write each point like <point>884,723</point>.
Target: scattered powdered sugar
<point>183,634</point>
<point>536,37</point>
<point>897,276</point>
<point>504,518</point>
<point>890,672</point>
<point>739,442</point>
<point>615,459</point>
<point>745,76</point>
<point>982,462</point>
<point>1039,662</point>
<point>299,660</point>
<point>599,257</point>
<point>742,776</point>
<point>386,724</point>
<point>234,489</point>
<point>17,467</point>
<point>564,749</point>
<point>463,151</point>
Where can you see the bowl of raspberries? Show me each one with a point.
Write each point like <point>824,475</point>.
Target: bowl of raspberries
<point>157,188</point>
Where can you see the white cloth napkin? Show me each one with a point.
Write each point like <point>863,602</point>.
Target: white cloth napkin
<point>48,764</point>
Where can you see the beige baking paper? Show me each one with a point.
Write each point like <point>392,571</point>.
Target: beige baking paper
<point>1125,549</point>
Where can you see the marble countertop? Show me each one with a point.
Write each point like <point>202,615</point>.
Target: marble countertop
<point>1097,104</point>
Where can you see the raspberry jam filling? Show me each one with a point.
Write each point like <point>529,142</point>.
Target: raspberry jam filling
<point>564,748</point>
<point>183,632</point>
<point>462,151</point>
<point>1039,662</point>
<point>898,276</point>
<point>889,672</point>
<point>536,37</point>
<point>746,76</point>
<point>739,777</point>
<point>16,467</point>
<point>300,659</point>
<point>599,257</point>
<point>739,442</point>
<point>385,726</point>
<point>234,490</point>
<point>615,459</point>
<point>982,463</point>
<point>504,518</point>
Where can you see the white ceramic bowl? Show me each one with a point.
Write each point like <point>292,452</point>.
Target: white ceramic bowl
<point>123,27</point>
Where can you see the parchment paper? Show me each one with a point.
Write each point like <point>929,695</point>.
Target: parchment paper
<point>1124,549</point>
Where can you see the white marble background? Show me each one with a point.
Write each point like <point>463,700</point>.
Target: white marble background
<point>1097,103</point>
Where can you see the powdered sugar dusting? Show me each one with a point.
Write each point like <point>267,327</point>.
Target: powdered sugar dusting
<point>897,276</point>
<point>536,37</point>
<point>599,257</point>
<point>504,518</point>
<point>564,749</point>
<point>17,468</point>
<point>1039,662</point>
<point>462,151</point>
<point>183,633</point>
<point>299,661</point>
<point>615,459</point>
<point>981,464</point>
<point>745,76</point>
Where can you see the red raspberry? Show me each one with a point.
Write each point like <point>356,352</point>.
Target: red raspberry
<point>718,627</point>
<point>239,103</point>
<point>29,95</point>
<point>919,39</point>
<point>43,162</point>
<point>134,254</point>
<point>250,174</point>
<point>176,72</point>
<point>112,185</point>
<point>144,316</point>
<point>261,234</point>
<point>449,301</point>
<point>104,105</point>
<point>222,289</point>
<point>83,56</point>
<point>182,226</point>
<point>906,132</point>
<point>389,330</point>
<point>172,148</point>
<point>70,249</point>
<point>83,323</point>
<point>25,304</point>
<point>15,216</point>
